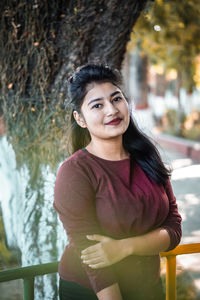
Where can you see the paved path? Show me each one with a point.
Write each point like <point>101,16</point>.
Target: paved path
<point>186,186</point>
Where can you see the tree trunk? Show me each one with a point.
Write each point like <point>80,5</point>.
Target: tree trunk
<point>101,31</point>
<point>43,41</point>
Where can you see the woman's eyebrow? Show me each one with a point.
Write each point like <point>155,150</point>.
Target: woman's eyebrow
<point>101,98</point>
<point>94,100</point>
<point>115,93</point>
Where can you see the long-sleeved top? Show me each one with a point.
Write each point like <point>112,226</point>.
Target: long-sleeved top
<point>116,199</point>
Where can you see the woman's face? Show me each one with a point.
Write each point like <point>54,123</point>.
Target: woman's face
<point>104,111</point>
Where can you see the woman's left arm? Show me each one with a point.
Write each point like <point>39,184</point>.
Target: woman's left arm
<point>165,238</point>
<point>173,221</point>
<point>109,251</point>
<point>151,243</point>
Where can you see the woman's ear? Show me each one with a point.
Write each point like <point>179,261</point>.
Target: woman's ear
<point>79,119</point>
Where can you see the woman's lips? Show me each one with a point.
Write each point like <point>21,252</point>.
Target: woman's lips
<point>114,122</point>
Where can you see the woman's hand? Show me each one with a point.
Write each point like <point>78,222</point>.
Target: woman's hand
<point>109,251</point>
<point>105,253</point>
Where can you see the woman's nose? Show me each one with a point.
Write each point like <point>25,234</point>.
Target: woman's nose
<point>111,109</point>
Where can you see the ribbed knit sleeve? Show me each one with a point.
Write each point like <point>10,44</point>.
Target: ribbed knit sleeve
<point>173,221</point>
<point>74,200</point>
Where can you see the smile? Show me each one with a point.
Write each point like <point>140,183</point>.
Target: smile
<point>114,122</point>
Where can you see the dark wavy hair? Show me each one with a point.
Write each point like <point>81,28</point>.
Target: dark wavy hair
<point>139,145</point>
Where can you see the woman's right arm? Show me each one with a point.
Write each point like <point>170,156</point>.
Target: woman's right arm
<point>74,200</point>
<point>110,293</point>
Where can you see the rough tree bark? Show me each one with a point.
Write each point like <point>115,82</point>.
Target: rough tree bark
<point>99,30</point>
<point>43,41</point>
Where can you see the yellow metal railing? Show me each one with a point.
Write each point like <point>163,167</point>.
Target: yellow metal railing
<point>171,266</point>
<point>29,273</point>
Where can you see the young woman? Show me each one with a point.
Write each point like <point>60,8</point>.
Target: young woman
<point>113,196</point>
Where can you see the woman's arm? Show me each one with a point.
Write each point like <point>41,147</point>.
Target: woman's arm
<point>110,251</point>
<point>74,200</point>
<point>165,238</point>
<point>110,293</point>
<point>150,243</point>
<point>173,221</point>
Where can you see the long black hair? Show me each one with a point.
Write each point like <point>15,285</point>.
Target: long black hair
<point>140,147</point>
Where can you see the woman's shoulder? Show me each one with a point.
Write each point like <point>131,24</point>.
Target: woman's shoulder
<point>74,159</point>
<point>74,164</point>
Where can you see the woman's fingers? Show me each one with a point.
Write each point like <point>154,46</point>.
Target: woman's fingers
<point>93,261</point>
<point>91,255</point>
<point>97,237</point>
<point>99,265</point>
<point>90,249</point>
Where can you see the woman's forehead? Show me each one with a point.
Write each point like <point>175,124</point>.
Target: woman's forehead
<point>100,89</point>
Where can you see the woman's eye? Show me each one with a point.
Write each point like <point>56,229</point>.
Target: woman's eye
<point>117,99</point>
<point>98,105</point>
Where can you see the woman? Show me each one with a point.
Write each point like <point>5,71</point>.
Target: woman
<point>113,196</point>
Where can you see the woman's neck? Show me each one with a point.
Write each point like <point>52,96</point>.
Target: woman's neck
<point>108,149</point>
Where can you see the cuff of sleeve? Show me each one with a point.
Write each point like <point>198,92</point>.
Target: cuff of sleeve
<point>174,238</point>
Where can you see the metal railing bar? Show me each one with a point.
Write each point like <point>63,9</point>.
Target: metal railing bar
<point>171,266</point>
<point>28,272</point>
<point>28,287</point>
<point>171,278</point>
<point>183,249</point>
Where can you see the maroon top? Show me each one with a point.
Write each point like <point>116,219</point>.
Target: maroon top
<point>117,199</point>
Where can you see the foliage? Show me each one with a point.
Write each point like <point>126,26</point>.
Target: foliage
<point>7,256</point>
<point>177,123</point>
<point>172,122</point>
<point>4,252</point>
<point>169,120</point>
<point>169,33</point>
<point>185,287</point>
<point>34,144</point>
<point>191,126</point>
<point>29,62</point>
